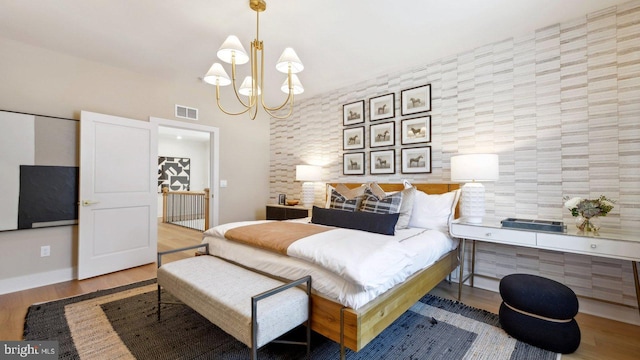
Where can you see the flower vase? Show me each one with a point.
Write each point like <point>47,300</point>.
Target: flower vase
<point>588,224</point>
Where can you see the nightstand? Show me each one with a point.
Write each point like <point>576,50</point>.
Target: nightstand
<point>284,212</point>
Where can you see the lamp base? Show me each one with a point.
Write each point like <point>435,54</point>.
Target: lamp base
<point>472,220</point>
<point>308,194</point>
<point>472,202</point>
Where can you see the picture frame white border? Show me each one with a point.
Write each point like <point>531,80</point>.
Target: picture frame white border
<point>375,155</point>
<point>389,127</point>
<point>346,159</point>
<point>419,93</point>
<point>408,157</point>
<point>385,100</point>
<point>349,109</point>
<point>423,122</point>
<point>348,134</point>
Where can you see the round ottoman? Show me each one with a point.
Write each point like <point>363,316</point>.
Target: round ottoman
<point>540,312</point>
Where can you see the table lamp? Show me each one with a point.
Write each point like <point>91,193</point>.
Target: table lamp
<point>308,174</point>
<point>473,169</point>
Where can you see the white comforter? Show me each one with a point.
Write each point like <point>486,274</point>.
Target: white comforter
<point>350,266</point>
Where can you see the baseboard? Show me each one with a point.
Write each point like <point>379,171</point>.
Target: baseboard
<point>589,306</point>
<point>31,281</point>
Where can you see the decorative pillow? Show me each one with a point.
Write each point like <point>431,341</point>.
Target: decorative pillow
<point>434,211</point>
<point>350,194</point>
<point>343,198</point>
<point>406,207</point>
<point>385,205</point>
<point>376,223</point>
<point>377,190</point>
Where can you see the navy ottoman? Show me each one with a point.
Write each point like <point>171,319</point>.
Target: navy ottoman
<point>540,312</point>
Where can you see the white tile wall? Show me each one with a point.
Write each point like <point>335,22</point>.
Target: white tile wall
<point>560,106</point>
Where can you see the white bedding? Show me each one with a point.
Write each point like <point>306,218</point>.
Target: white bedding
<point>349,266</point>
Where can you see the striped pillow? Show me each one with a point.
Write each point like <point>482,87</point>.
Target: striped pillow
<point>387,205</point>
<point>341,202</point>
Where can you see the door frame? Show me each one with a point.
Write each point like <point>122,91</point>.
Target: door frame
<point>214,160</point>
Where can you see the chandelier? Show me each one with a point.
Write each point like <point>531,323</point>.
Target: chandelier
<point>232,52</point>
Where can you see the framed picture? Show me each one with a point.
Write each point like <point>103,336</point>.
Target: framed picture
<point>415,100</point>
<point>282,198</point>
<point>383,134</point>
<point>353,138</point>
<point>383,162</point>
<point>353,163</point>
<point>416,160</point>
<point>174,173</point>
<point>353,113</point>
<point>382,107</point>
<point>416,130</point>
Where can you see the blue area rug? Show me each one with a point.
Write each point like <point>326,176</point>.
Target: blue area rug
<point>122,322</point>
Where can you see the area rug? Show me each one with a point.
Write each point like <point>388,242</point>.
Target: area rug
<point>121,323</point>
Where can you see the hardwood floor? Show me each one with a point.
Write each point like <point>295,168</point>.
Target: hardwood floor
<point>601,338</point>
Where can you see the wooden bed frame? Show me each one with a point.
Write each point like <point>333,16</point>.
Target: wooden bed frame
<point>354,329</point>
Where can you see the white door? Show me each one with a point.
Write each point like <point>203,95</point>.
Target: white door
<point>117,212</point>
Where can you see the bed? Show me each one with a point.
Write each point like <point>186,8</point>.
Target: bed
<point>348,311</point>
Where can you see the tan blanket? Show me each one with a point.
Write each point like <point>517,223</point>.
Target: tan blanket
<point>275,236</point>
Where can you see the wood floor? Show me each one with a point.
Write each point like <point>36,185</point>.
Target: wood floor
<point>601,338</point>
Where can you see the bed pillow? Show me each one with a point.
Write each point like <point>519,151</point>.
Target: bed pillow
<point>406,207</point>
<point>434,211</point>
<point>343,198</point>
<point>385,205</point>
<point>376,223</point>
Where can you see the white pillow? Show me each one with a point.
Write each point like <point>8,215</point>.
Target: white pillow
<point>434,211</point>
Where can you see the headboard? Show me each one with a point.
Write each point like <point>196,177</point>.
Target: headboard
<point>429,188</point>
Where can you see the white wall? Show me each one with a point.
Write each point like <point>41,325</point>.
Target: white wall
<point>40,81</point>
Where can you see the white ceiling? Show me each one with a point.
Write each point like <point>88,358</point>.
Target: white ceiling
<point>341,42</point>
<point>173,134</point>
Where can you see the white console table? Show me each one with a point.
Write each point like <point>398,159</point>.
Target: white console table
<point>610,243</point>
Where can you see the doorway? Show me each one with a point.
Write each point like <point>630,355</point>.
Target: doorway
<point>195,146</point>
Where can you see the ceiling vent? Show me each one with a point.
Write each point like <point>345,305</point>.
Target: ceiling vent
<point>186,112</point>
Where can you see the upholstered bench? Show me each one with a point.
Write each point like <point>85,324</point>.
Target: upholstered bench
<point>253,308</point>
<point>540,312</point>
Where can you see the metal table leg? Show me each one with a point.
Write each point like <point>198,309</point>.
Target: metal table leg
<point>636,282</point>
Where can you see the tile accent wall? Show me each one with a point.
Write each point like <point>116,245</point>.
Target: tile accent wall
<point>561,107</point>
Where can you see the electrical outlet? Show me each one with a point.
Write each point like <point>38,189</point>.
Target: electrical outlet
<point>45,250</point>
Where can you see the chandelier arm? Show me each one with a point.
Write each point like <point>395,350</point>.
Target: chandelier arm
<point>255,85</point>
<point>222,109</point>
<point>235,88</point>
<point>273,115</point>
<point>289,97</point>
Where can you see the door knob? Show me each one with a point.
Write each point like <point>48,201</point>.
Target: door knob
<point>88,202</point>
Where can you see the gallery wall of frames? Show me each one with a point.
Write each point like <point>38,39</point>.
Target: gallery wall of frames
<point>370,146</point>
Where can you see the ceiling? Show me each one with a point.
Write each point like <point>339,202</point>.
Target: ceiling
<point>340,42</point>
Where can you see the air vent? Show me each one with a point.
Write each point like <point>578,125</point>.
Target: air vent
<point>186,112</point>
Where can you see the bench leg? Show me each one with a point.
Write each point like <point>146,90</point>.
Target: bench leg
<point>159,302</point>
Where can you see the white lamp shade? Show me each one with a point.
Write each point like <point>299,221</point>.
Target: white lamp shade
<point>474,167</point>
<point>289,58</point>
<point>308,173</point>
<point>217,76</point>
<point>230,47</point>
<point>296,84</point>
<point>246,88</point>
